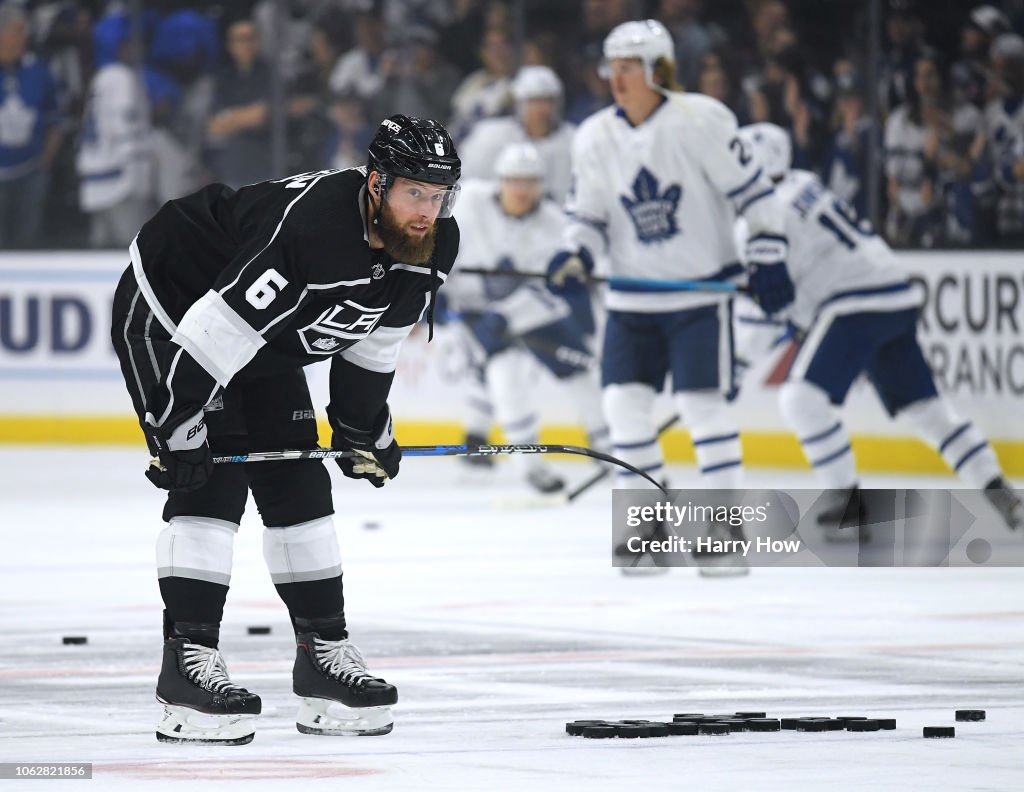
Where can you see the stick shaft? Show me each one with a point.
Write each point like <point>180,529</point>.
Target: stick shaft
<point>433,451</point>
<point>648,284</point>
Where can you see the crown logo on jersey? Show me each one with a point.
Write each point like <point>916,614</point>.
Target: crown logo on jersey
<point>653,214</point>
<point>378,271</point>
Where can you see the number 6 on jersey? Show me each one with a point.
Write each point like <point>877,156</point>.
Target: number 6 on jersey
<point>262,293</point>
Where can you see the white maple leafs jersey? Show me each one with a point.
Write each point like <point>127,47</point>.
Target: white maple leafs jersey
<point>834,256</point>
<point>493,240</point>
<point>479,151</point>
<point>662,198</point>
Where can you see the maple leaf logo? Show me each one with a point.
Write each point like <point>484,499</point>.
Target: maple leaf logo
<point>653,213</point>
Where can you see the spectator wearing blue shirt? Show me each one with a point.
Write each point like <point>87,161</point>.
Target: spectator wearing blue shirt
<point>29,134</point>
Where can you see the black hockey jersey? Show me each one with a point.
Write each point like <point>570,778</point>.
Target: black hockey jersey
<point>277,275</point>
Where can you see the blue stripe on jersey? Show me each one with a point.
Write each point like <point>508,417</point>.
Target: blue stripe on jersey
<point>871,292</point>
<point>754,199</point>
<point>103,175</point>
<point>745,186</point>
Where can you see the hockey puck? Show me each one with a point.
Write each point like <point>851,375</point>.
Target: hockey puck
<point>939,731</point>
<point>749,715</point>
<point>735,724</point>
<point>576,727</point>
<point>258,630</point>
<point>632,730</point>
<point>714,728</point>
<point>811,724</point>
<point>862,725</point>
<point>689,716</point>
<point>847,718</point>
<point>970,715</point>
<point>657,729</point>
<point>682,728</point>
<point>763,724</point>
<point>599,732</point>
<point>788,723</point>
<point>886,724</point>
<point>74,640</point>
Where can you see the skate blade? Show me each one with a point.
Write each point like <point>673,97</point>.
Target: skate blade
<point>643,571</point>
<point>539,501</point>
<point>848,535</point>
<point>722,566</point>
<point>329,718</point>
<point>185,725</point>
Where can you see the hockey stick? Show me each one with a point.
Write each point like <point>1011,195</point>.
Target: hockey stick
<point>626,284</point>
<point>565,498</point>
<point>434,451</point>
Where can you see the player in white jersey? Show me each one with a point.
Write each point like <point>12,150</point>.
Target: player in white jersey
<point>658,181</point>
<point>510,226</point>
<point>859,313</point>
<point>539,98</point>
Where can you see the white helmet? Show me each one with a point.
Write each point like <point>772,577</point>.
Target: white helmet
<point>520,161</point>
<point>536,82</point>
<point>771,147</point>
<point>647,40</point>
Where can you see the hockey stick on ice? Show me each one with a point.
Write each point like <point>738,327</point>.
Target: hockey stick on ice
<point>565,498</point>
<point>435,451</point>
<point>625,284</point>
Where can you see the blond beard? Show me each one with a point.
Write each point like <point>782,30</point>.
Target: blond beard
<point>402,246</point>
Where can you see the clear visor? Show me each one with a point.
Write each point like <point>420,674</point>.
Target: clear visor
<point>427,200</point>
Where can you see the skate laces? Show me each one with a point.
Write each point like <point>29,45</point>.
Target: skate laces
<point>343,660</point>
<point>206,667</point>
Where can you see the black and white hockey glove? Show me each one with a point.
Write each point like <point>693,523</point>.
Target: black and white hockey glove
<point>770,284</point>
<point>183,461</point>
<point>378,451</point>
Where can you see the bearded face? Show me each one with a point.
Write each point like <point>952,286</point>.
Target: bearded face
<point>404,241</point>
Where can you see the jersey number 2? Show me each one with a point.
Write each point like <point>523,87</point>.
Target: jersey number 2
<point>262,293</point>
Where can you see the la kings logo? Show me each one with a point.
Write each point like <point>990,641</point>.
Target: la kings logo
<point>653,214</point>
<point>339,327</point>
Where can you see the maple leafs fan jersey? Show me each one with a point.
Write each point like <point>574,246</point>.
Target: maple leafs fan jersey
<point>278,275</point>
<point>662,197</point>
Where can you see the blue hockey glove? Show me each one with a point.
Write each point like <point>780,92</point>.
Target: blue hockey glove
<point>490,330</point>
<point>568,272</point>
<point>770,285</point>
<point>378,451</point>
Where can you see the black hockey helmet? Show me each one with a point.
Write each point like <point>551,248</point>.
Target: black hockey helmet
<point>414,148</point>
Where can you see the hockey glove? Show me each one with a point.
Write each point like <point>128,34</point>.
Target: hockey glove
<point>568,272</point>
<point>378,453</point>
<point>490,330</point>
<point>770,285</point>
<point>184,462</point>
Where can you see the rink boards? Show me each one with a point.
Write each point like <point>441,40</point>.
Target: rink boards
<point>61,382</point>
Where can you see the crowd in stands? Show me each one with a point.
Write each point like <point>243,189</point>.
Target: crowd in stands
<point>105,112</point>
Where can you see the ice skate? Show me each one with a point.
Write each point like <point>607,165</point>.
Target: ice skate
<point>339,696</point>
<point>1006,501</point>
<point>478,462</point>
<point>846,519</point>
<point>726,562</point>
<point>201,704</point>
<point>641,564</point>
<point>544,480</point>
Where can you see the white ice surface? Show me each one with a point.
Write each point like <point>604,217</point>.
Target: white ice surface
<point>498,627</point>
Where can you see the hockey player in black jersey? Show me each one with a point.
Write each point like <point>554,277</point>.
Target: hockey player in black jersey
<point>229,294</point>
